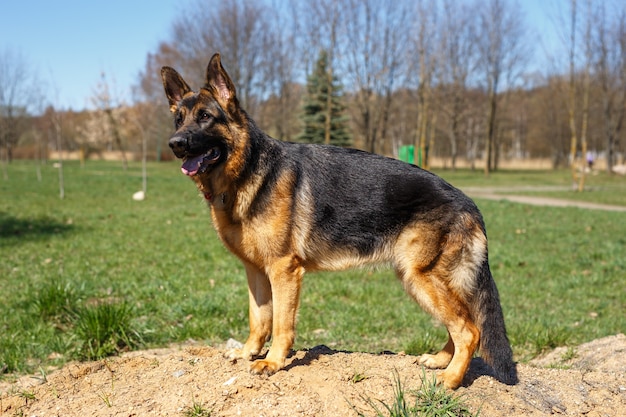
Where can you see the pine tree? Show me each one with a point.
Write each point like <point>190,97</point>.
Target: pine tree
<point>315,108</point>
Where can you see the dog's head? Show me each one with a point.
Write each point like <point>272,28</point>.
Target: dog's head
<point>201,118</point>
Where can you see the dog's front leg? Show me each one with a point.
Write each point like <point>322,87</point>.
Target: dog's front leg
<point>260,314</point>
<point>286,281</point>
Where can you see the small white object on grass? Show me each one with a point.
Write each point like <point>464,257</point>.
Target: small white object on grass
<point>139,196</point>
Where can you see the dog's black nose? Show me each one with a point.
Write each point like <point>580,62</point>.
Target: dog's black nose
<point>179,145</point>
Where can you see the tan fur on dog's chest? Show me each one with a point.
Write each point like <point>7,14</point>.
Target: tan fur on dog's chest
<point>256,237</point>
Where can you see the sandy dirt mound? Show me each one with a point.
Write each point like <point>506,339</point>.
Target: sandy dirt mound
<point>589,380</point>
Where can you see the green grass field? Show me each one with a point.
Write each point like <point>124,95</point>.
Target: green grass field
<point>599,187</point>
<point>98,273</point>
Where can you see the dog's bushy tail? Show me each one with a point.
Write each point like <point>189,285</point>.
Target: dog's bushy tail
<point>494,347</point>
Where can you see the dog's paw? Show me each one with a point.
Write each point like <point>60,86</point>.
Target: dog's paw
<point>234,355</point>
<point>438,361</point>
<point>265,367</point>
<point>448,380</point>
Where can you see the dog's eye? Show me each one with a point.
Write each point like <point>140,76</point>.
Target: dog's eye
<point>204,116</point>
<point>178,120</point>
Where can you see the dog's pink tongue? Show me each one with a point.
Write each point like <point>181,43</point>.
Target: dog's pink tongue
<point>192,165</point>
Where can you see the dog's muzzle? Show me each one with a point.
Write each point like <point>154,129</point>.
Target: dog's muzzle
<point>195,160</point>
<point>179,145</point>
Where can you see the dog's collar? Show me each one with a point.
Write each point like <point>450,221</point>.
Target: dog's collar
<point>209,197</point>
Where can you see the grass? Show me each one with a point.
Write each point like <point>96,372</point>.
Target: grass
<point>156,272</point>
<point>105,329</point>
<point>196,410</point>
<point>56,302</point>
<point>599,186</point>
<point>430,400</point>
<point>509,178</point>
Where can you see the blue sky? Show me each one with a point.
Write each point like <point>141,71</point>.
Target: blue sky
<point>71,42</point>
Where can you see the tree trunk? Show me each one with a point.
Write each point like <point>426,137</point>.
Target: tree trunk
<point>572,95</point>
<point>586,88</point>
<point>329,104</point>
<point>116,137</point>
<point>491,125</point>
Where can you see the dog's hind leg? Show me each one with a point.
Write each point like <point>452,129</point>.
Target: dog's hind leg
<point>465,336</point>
<point>434,270</point>
<point>445,306</point>
<point>260,314</point>
<point>285,277</point>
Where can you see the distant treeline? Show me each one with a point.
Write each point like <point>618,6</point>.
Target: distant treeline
<point>456,79</point>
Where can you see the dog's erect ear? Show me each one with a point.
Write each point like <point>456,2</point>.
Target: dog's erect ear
<point>175,87</point>
<point>218,80</point>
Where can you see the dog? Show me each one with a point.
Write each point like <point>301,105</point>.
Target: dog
<point>287,208</point>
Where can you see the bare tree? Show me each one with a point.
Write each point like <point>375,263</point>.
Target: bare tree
<point>425,40</point>
<point>574,90</point>
<point>241,29</point>
<point>407,66</point>
<point>51,125</point>
<point>281,71</point>
<point>458,60</point>
<point>588,47</point>
<point>620,35</point>
<point>18,92</point>
<point>106,119</point>
<point>610,44</point>
<point>58,140</point>
<point>572,87</point>
<point>154,118</point>
<point>503,56</point>
<point>374,59</point>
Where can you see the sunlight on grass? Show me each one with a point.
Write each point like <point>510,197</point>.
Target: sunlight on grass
<point>105,329</point>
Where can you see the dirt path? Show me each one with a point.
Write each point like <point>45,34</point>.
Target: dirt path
<point>318,382</point>
<point>509,194</point>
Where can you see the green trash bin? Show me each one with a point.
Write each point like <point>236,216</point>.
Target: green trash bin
<point>407,153</point>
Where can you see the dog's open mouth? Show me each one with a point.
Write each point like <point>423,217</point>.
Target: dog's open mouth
<point>198,164</point>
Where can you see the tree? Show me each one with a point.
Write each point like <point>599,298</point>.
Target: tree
<point>375,61</point>
<point>323,108</point>
<point>586,91</point>
<point>322,31</point>
<point>18,93</point>
<point>609,42</point>
<point>410,69</point>
<point>571,103</point>
<point>105,127</point>
<point>425,40</point>
<point>154,118</point>
<point>458,59</point>
<point>241,30</point>
<point>281,109</point>
<point>573,98</point>
<point>502,58</point>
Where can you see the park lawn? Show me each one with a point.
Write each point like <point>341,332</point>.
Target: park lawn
<point>611,195</point>
<point>505,178</point>
<point>560,272</point>
<point>600,187</point>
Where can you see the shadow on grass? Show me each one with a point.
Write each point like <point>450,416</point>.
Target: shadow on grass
<point>18,229</point>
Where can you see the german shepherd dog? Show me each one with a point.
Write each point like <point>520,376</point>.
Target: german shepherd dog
<point>286,208</point>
